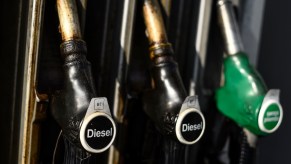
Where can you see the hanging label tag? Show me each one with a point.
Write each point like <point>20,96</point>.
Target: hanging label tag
<point>98,129</point>
<point>190,123</point>
<point>271,113</point>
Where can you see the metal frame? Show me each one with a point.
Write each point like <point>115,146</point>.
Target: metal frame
<point>32,110</point>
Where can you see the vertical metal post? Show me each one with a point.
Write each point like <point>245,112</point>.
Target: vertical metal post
<point>167,4</point>
<point>201,41</point>
<point>124,57</point>
<point>32,108</point>
<point>82,9</point>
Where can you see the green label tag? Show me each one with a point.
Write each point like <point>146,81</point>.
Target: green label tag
<point>271,116</point>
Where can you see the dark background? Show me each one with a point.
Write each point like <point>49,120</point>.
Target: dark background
<point>273,64</point>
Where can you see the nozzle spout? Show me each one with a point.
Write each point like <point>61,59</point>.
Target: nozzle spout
<point>69,21</point>
<point>154,22</point>
<point>229,28</point>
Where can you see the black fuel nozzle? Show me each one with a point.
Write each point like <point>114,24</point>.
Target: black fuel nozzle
<point>174,114</point>
<point>163,102</point>
<point>85,120</point>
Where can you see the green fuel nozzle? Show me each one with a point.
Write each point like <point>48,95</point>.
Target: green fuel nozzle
<point>244,97</point>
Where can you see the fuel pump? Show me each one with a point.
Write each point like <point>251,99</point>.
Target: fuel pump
<point>244,97</point>
<point>177,118</point>
<point>87,126</point>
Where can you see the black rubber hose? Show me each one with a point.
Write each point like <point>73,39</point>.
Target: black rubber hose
<point>174,152</point>
<point>74,154</point>
<point>247,153</point>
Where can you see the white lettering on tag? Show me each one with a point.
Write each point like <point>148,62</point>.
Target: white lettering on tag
<point>189,127</point>
<point>99,133</point>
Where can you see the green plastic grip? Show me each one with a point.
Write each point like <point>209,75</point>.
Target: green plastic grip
<point>243,95</point>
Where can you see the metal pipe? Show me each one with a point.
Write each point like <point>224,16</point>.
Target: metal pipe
<point>167,5</point>
<point>69,21</point>
<point>156,33</point>
<point>230,30</point>
<point>116,155</point>
<point>33,110</point>
<point>82,8</point>
<point>154,22</point>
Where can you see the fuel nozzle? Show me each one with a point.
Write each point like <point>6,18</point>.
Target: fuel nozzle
<point>85,120</point>
<point>244,96</point>
<point>163,103</point>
